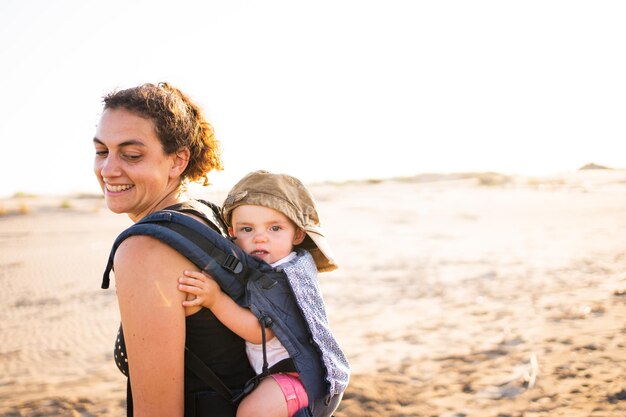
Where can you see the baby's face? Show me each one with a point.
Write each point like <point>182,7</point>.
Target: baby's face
<point>264,233</point>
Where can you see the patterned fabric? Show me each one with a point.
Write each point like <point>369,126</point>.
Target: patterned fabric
<point>119,352</point>
<point>302,276</point>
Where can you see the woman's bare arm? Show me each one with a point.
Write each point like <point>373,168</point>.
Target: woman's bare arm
<point>154,324</point>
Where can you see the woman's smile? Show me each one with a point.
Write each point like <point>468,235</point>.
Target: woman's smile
<point>111,188</point>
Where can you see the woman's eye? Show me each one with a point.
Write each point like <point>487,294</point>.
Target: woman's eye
<point>101,153</point>
<point>132,157</point>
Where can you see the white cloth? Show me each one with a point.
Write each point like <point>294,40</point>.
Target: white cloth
<point>276,352</point>
<point>286,259</point>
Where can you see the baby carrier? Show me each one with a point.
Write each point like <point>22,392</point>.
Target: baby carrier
<point>268,293</point>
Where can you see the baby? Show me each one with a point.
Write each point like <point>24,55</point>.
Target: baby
<point>269,216</point>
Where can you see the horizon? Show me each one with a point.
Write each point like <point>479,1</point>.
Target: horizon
<point>196,190</point>
<point>333,91</point>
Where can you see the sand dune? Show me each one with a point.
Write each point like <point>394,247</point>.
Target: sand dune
<point>456,296</point>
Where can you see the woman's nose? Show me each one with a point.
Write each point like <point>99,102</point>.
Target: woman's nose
<point>109,167</point>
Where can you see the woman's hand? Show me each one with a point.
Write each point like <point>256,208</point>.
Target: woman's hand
<point>202,286</point>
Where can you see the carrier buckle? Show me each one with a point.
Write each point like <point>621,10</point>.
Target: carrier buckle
<point>232,264</point>
<point>247,389</point>
<point>267,282</point>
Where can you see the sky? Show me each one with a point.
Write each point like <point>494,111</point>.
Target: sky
<point>323,90</point>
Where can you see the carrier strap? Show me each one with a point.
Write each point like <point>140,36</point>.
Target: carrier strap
<point>227,260</point>
<point>169,226</point>
<point>265,322</point>
<point>195,364</point>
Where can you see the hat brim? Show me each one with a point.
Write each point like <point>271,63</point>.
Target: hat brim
<point>320,250</point>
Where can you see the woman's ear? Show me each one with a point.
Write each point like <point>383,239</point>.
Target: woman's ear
<point>179,162</point>
<point>298,237</point>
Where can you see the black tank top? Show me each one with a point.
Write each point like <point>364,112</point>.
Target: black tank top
<point>218,347</point>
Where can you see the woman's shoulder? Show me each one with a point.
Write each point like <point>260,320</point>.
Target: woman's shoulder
<point>142,250</point>
<point>136,248</point>
<point>143,262</point>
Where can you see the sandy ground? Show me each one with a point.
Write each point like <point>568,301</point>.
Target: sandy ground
<point>467,297</point>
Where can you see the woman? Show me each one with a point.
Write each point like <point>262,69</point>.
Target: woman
<point>149,142</point>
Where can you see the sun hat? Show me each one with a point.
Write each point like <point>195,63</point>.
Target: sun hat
<point>289,196</point>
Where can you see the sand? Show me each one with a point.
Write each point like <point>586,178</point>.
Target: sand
<point>474,296</point>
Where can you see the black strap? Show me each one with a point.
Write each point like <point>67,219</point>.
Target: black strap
<point>265,323</point>
<point>284,366</point>
<point>195,364</point>
<point>129,399</point>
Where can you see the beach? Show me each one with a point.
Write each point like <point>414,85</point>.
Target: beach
<point>466,295</point>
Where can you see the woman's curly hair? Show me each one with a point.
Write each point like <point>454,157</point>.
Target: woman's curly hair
<point>179,124</point>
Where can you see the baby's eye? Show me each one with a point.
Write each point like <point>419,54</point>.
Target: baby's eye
<point>275,228</point>
<point>246,229</point>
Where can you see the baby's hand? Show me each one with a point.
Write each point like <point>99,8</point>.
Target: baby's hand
<point>202,286</point>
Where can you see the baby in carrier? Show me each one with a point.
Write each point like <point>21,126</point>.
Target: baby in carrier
<point>273,217</point>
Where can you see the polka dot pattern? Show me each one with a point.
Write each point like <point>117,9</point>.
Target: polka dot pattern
<point>119,353</point>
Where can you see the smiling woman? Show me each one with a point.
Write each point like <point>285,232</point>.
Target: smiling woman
<point>150,142</point>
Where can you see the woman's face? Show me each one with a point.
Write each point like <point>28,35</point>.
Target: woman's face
<point>135,174</point>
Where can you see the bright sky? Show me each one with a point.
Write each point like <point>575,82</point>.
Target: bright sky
<point>326,89</point>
